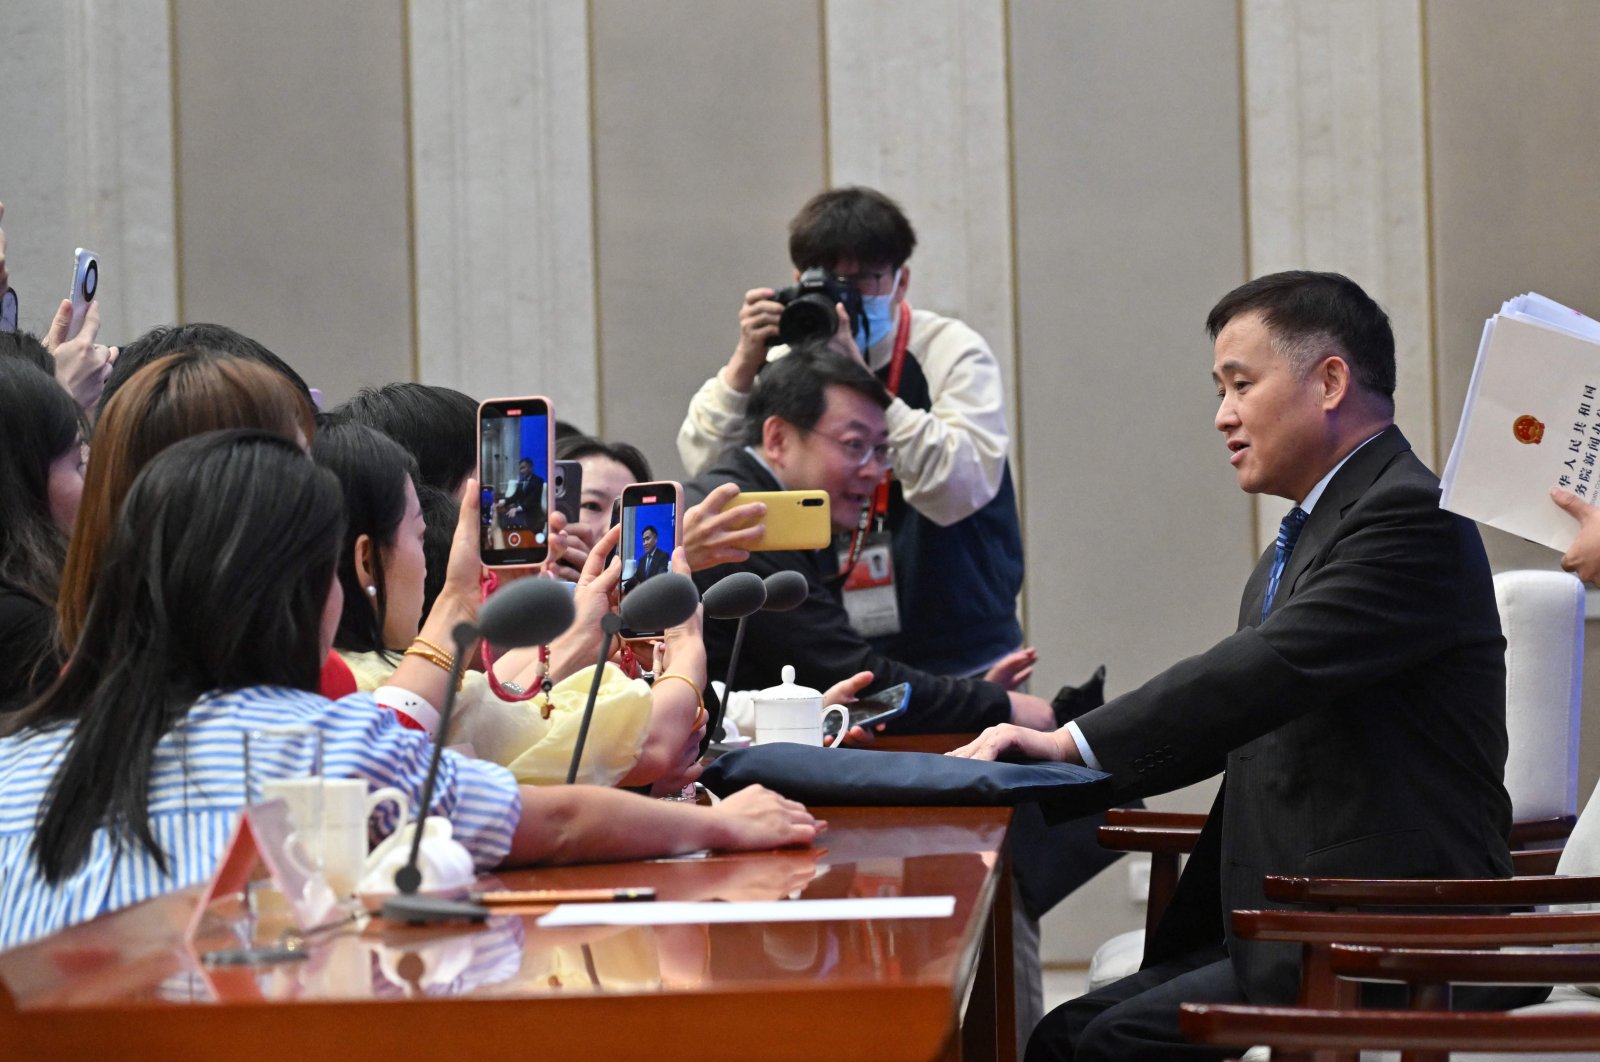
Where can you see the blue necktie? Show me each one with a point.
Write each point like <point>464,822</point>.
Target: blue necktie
<point>1288,532</point>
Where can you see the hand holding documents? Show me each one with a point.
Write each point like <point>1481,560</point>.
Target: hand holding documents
<point>1531,422</point>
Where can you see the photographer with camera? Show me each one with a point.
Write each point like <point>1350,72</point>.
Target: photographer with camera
<point>947,519</point>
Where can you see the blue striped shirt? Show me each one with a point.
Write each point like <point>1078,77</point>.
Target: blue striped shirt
<point>198,786</point>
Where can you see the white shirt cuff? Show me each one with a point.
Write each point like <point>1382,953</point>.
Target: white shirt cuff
<point>1089,759</point>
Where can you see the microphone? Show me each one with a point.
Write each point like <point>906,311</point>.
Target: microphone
<point>780,592</point>
<point>527,612</point>
<point>786,591</point>
<point>736,596</point>
<point>662,601</point>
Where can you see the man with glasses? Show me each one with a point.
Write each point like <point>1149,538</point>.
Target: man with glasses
<point>949,516</point>
<point>815,420</point>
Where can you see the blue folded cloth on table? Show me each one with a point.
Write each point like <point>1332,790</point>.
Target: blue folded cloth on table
<point>863,777</point>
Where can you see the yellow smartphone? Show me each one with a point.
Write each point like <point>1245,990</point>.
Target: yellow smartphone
<point>796,519</point>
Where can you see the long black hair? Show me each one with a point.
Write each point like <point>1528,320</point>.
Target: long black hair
<point>39,422</point>
<point>372,470</point>
<point>437,425</point>
<point>216,578</point>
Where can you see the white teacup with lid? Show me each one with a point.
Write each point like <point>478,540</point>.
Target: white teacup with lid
<point>793,713</point>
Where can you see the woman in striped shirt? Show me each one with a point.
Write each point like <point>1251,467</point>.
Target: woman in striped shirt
<point>215,606</point>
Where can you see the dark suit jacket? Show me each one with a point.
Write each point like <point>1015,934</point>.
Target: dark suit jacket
<point>817,637</point>
<point>653,563</point>
<point>528,496</point>
<point>1362,725</point>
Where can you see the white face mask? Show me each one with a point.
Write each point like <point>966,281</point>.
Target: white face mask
<point>877,315</point>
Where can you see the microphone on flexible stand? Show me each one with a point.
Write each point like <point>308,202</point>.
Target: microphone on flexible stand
<point>738,596</point>
<point>662,601</point>
<point>527,612</point>
<point>778,592</point>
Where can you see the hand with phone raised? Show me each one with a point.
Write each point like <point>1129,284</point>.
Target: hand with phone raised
<point>82,364</point>
<point>714,533</point>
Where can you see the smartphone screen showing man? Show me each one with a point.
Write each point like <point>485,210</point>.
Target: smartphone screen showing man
<point>514,469</point>
<point>652,524</point>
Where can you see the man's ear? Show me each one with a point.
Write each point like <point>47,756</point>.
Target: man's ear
<point>777,439</point>
<point>905,282</point>
<point>1334,379</point>
<point>365,568</point>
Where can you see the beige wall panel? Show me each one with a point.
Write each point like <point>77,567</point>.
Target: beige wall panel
<point>1337,171</point>
<point>504,226</point>
<point>708,137</point>
<point>87,158</point>
<point>1129,227</point>
<point>1515,132</point>
<point>917,109</point>
<point>292,183</point>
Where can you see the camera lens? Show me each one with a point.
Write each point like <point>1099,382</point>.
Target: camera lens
<point>810,316</point>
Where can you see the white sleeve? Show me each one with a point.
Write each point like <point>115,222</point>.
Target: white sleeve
<point>715,421</point>
<point>950,459</point>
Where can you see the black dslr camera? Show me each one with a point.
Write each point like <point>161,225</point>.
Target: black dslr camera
<point>808,307</point>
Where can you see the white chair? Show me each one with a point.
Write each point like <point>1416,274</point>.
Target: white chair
<point>1541,615</point>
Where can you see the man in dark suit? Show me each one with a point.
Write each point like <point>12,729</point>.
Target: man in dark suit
<point>1358,711</point>
<point>523,507</point>
<point>651,562</point>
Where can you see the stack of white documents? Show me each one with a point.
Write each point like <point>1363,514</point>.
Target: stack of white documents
<point>1531,422</point>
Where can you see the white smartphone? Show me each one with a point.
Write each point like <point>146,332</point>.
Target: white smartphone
<point>85,282</point>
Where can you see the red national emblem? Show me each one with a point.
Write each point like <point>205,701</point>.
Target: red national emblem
<point>1528,429</point>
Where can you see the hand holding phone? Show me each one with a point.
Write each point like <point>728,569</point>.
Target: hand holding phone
<point>872,710</point>
<point>794,519</point>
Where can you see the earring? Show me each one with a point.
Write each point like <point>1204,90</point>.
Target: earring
<point>372,591</point>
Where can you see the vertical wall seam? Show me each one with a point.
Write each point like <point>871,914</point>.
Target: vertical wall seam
<point>408,137</point>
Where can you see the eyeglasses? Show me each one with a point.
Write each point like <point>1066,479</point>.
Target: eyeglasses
<point>867,281</point>
<point>860,453</point>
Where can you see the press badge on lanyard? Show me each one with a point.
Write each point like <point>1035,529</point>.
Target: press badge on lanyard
<point>868,562</point>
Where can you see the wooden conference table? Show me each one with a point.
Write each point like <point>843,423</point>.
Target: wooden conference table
<point>127,987</point>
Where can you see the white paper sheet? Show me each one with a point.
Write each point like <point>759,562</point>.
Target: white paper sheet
<point>668,914</point>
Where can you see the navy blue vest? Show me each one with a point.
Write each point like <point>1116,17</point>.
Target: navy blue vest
<point>957,586</point>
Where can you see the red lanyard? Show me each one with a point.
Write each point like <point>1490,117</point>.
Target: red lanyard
<point>880,495</point>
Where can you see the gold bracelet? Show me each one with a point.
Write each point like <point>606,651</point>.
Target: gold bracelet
<point>698,696</point>
<point>441,660</point>
<point>441,650</point>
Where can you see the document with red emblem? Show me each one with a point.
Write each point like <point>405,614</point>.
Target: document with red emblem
<point>1531,422</point>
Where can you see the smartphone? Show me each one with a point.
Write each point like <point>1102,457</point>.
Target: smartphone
<point>8,310</point>
<point>568,489</point>
<point>878,708</point>
<point>85,282</point>
<point>652,526</point>
<point>516,437</point>
<point>796,519</point>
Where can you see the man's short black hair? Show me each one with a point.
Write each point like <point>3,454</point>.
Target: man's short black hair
<point>213,340</point>
<point>1312,315</point>
<point>855,222</point>
<point>795,388</point>
<point>437,425</point>
<point>650,528</point>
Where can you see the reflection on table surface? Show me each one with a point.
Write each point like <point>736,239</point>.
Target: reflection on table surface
<point>138,956</point>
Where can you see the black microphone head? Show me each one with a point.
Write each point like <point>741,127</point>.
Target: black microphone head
<point>526,612</point>
<point>785,590</point>
<point>659,602</point>
<point>735,596</point>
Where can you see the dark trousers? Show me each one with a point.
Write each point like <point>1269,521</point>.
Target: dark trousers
<point>1136,1018</point>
